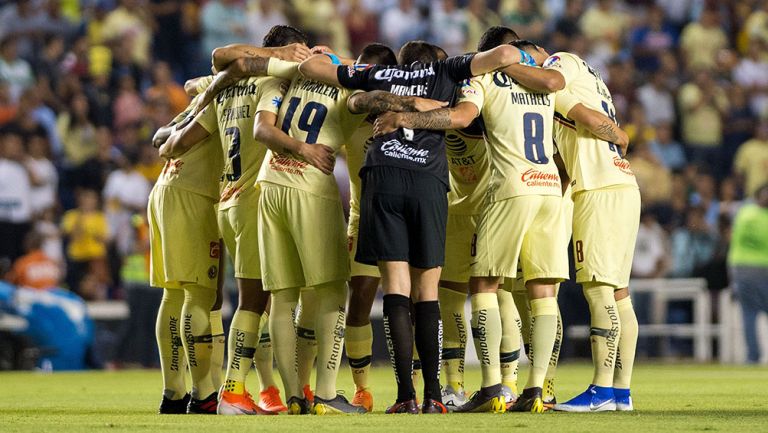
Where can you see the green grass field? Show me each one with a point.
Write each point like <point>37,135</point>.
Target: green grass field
<point>679,397</point>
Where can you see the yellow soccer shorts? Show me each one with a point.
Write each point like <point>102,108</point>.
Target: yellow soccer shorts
<point>459,243</point>
<point>184,239</point>
<point>357,269</point>
<point>605,224</point>
<point>528,229</point>
<point>238,225</point>
<point>303,238</point>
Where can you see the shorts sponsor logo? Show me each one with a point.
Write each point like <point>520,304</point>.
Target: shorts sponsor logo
<point>214,250</point>
<point>535,178</point>
<point>286,164</point>
<point>623,165</point>
<point>396,149</point>
<point>213,271</point>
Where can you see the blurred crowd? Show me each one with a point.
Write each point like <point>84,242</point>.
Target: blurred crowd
<point>84,85</point>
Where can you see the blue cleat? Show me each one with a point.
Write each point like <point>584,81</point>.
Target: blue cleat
<point>623,400</point>
<point>594,399</point>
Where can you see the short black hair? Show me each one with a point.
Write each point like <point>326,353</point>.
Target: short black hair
<point>281,35</point>
<point>417,51</point>
<point>524,44</point>
<point>495,36</point>
<point>378,54</point>
<point>441,53</point>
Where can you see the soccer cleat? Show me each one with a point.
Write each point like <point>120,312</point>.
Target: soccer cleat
<point>308,394</point>
<point>549,403</point>
<point>206,406</point>
<point>529,401</point>
<point>623,400</point>
<point>453,398</point>
<point>594,399</point>
<point>299,406</point>
<point>487,400</point>
<point>509,396</point>
<point>408,406</point>
<point>171,407</point>
<point>239,404</point>
<point>364,399</point>
<point>433,406</point>
<point>335,406</point>
<point>269,400</point>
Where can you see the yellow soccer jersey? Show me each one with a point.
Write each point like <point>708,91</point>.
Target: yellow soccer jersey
<point>518,124</point>
<point>232,114</point>
<point>199,169</point>
<point>591,162</point>
<point>468,170</point>
<point>356,146</point>
<point>313,112</point>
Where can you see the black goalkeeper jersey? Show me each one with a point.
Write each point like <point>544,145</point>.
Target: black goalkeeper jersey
<point>424,150</point>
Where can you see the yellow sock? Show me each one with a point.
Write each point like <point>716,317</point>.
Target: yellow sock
<point>604,331</point>
<point>262,360</point>
<point>219,341</point>
<point>196,311</point>
<point>283,333</point>
<point>306,342</point>
<point>329,331</point>
<point>454,335</point>
<point>168,331</point>
<point>509,351</point>
<point>625,360</point>
<point>243,335</point>
<point>544,330</point>
<point>520,295</point>
<point>359,340</point>
<point>486,333</point>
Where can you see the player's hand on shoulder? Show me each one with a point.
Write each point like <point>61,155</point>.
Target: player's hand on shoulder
<point>322,49</point>
<point>424,104</point>
<point>386,123</point>
<point>320,156</point>
<point>293,53</point>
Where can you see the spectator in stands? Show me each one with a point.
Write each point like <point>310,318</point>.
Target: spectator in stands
<point>705,197</point>
<point>87,231</point>
<point>449,27</point>
<point>223,22</point>
<point>35,269</point>
<point>756,25</point>
<point>128,107</point>
<point>125,194</point>
<point>653,178</point>
<point>8,107</point>
<point>165,88</point>
<point>13,69</point>
<point>739,124</point>
<point>77,132</point>
<point>651,259</point>
<point>168,32</point>
<point>362,26</point>
<point>751,162</point>
<point>15,195</point>
<point>730,203</point>
<point>605,26</point>
<point>701,41</point>
<point>651,39</point>
<point>479,19</point>
<point>401,24</point>
<point>751,73</point>
<point>131,25</point>
<point>693,245</point>
<point>526,19</point>
<point>748,261</point>
<point>702,106</point>
<point>43,174</point>
<point>262,15</point>
<point>52,242</point>
<point>668,152</point>
<point>657,100</point>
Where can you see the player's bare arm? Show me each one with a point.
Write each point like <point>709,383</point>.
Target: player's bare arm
<point>240,68</point>
<point>320,68</point>
<point>539,79</point>
<point>496,58</point>
<point>378,101</point>
<point>600,125</point>
<point>183,139</point>
<point>457,117</point>
<point>223,56</point>
<point>191,86</point>
<point>265,131</point>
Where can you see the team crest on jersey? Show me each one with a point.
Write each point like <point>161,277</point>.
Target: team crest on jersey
<point>467,89</point>
<point>214,250</point>
<point>551,60</point>
<point>276,101</point>
<point>351,69</point>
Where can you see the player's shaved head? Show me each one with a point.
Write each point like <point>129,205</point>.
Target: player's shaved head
<point>417,51</point>
<point>496,36</point>
<point>378,54</point>
<point>282,35</point>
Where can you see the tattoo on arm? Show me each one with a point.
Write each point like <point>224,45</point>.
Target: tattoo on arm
<point>606,131</point>
<point>247,66</point>
<point>378,101</point>
<point>436,119</point>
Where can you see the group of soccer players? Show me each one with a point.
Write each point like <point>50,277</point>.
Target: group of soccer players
<point>467,176</point>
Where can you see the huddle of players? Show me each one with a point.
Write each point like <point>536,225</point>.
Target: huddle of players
<point>505,207</point>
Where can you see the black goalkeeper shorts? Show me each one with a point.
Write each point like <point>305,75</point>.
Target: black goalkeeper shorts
<point>403,215</point>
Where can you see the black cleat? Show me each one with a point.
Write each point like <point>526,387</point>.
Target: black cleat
<point>299,406</point>
<point>174,407</point>
<point>529,401</point>
<point>336,405</point>
<point>207,406</point>
<point>433,406</point>
<point>489,400</point>
<point>408,406</point>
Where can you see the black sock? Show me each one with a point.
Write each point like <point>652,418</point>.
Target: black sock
<point>429,342</point>
<point>397,328</point>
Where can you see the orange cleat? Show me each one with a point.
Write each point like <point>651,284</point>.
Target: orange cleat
<point>269,400</point>
<point>364,399</point>
<point>239,404</point>
<point>309,395</point>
